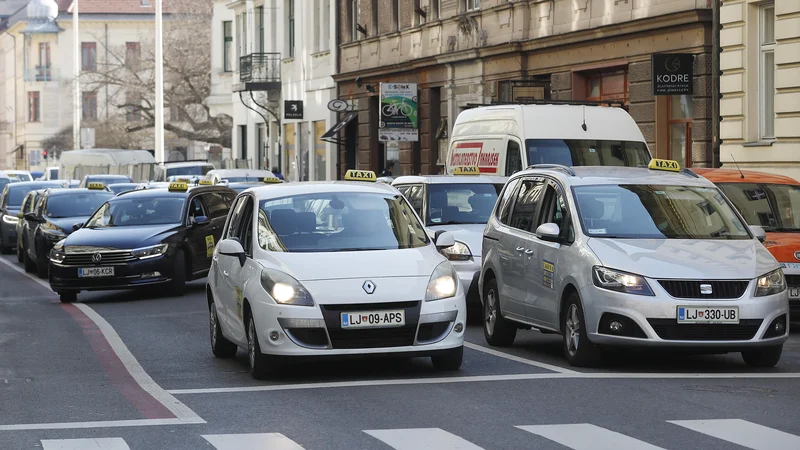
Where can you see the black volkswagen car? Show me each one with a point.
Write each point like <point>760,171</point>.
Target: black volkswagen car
<point>57,213</point>
<point>143,238</point>
<point>10,205</point>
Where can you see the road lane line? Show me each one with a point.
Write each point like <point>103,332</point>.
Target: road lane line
<point>743,433</point>
<point>518,359</point>
<point>419,438</point>
<point>85,444</point>
<point>585,436</point>
<point>253,441</point>
<point>97,424</point>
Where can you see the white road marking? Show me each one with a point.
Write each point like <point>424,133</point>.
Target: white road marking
<point>585,436</point>
<point>254,441</point>
<point>98,424</point>
<point>518,359</point>
<point>422,438</point>
<point>743,433</point>
<point>85,444</point>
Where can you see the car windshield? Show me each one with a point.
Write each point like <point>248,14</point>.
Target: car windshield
<point>461,203</point>
<point>657,212</point>
<point>137,211</point>
<point>339,222</point>
<point>124,187</point>
<point>189,170</point>
<point>587,152</point>
<point>79,204</point>
<point>4,182</point>
<point>775,207</point>
<point>243,179</point>
<point>17,193</point>
<point>23,176</point>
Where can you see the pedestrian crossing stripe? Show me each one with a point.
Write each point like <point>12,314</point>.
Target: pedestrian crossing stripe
<point>576,436</point>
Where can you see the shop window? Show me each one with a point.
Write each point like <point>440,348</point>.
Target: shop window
<point>227,46</point>
<point>607,86</point>
<point>320,152</point>
<point>680,129</point>
<point>766,73</point>
<point>353,12</point>
<point>471,5</point>
<point>291,152</point>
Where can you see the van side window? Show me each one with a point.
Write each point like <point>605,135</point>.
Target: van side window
<point>523,215</point>
<point>414,196</point>
<point>504,209</point>
<point>513,158</point>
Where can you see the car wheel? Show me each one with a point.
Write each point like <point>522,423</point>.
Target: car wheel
<point>220,347</point>
<point>577,348</point>
<point>30,266</point>
<point>497,330</point>
<point>763,357</point>
<point>260,367</point>
<point>448,360</point>
<point>41,266</point>
<point>20,255</point>
<point>177,286</point>
<point>68,296</point>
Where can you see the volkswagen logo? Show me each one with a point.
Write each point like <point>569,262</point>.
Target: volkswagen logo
<point>97,258</point>
<point>797,255</point>
<point>369,287</point>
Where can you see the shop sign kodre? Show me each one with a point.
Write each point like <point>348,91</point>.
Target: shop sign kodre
<point>672,73</point>
<point>399,120</point>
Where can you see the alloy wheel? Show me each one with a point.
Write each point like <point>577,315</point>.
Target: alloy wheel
<point>251,343</point>
<point>491,311</point>
<point>213,325</point>
<point>573,332</point>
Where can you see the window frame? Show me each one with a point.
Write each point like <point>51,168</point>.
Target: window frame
<point>687,128</point>
<point>554,192</point>
<point>227,45</point>
<point>89,105</point>
<point>88,56</point>
<point>471,5</point>
<point>133,55</point>
<point>259,18</point>
<point>189,208</point>
<point>354,5</point>
<point>34,107</point>
<point>764,49</point>
<point>599,75</point>
<point>536,211</point>
<point>290,12</point>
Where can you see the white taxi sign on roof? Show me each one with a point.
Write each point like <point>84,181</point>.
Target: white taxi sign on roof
<point>467,170</point>
<point>271,180</point>
<point>360,175</point>
<point>664,164</point>
<point>178,187</point>
<point>95,185</point>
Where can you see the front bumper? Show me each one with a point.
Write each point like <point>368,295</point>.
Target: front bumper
<point>656,319</point>
<point>132,274</point>
<point>304,331</point>
<point>9,234</point>
<point>792,273</point>
<point>468,273</point>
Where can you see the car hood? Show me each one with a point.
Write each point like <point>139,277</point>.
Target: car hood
<point>64,223</point>
<point>783,246</point>
<point>685,258</point>
<point>119,237</point>
<point>414,262</point>
<point>470,234</point>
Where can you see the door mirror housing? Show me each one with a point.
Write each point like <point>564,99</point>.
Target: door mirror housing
<point>548,232</point>
<point>198,220</point>
<point>759,233</point>
<point>32,217</point>
<point>444,239</point>
<point>232,247</point>
<point>77,226</point>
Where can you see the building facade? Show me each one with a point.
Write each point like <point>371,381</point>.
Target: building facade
<point>276,59</point>
<point>466,52</point>
<point>760,85</point>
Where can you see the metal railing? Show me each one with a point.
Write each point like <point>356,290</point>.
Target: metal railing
<point>260,68</point>
<point>41,74</point>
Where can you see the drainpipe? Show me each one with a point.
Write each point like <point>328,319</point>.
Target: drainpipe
<point>716,50</point>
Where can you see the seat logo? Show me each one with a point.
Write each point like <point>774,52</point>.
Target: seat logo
<point>97,258</point>
<point>706,289</point>
<point>369,287</point>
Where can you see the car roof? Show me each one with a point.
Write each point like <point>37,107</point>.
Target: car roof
<point>223,172</point>
<point>606,175</point>
<point>67,191</point>
<point>449,179</point>
<point>315,187</point>
<point>162,191</point>
<point>744,176</point>
<point>106,175</point>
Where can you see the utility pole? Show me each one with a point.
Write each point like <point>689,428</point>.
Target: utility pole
<point>159,148</point>
<point>716,97</point>
<point>76,113</point>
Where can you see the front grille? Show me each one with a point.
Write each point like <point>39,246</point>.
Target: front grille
<point>792,280</point>
<point>109,258</point>
<point>373,337</point>
<point>720,289</point>
<point>670,330</point>
<point>309,337</point>
<point>370,306</point>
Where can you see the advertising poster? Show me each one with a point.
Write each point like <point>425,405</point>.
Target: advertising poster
<point>399,120</point>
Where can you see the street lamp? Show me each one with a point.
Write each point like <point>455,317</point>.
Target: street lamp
<point>76,113</point>
<point>159,125</point>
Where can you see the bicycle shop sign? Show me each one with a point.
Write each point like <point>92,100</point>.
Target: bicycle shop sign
<point>672,73</point>
<point>399,119</point>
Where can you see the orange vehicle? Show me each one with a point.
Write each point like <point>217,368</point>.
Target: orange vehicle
<point>772,202</point>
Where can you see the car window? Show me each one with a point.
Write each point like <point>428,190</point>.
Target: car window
<point>775,207</point>
<point>138,211</point>
<point>196,208</point>
<point>76,204</point>
<point>525,206</point>
<point>235,219</point>
<point>217,205</point>
<point>461,203</point>
<point>414,195</point>
<point>504,210</point>
<point>554,210</point>
<point>513,158</point>
<point>243,228</point>
<point>587,152</point>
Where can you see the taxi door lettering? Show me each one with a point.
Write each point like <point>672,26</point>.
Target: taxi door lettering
<point>209,246</point>
<point>239,302</point>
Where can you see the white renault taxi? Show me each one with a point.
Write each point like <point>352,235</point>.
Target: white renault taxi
<point>332,269</point>
<point>631,257</point>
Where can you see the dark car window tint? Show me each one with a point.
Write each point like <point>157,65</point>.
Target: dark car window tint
<point>236,217</point>
<point>196,208</point>
<point>505,201</point>
<point>217,206</point>
<point>76,204</point>
<point>528,198</point>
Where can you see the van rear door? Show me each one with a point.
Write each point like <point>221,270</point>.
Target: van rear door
<point>484,153</point>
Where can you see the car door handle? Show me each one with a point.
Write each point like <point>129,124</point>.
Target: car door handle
<point>528,252</point>
<point>225,272</point>
<point>520,249</point>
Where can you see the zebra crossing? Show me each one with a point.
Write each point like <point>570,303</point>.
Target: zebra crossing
<point>576,436</point>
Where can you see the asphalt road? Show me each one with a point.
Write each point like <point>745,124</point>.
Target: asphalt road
<point>133,370</point>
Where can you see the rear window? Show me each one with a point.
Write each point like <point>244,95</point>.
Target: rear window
<point>587,152</point>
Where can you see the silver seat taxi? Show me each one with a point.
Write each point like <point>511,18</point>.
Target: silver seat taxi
<point>636,257</point>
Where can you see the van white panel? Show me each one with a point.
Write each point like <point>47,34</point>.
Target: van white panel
<point>484,153</point>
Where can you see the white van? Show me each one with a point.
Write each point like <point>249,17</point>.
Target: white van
<point>135,164</point>
<point>504,139</point>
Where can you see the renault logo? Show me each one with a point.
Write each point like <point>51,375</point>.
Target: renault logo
<point>369,287</point>
<point>706,289</point>
<point>97,258</point>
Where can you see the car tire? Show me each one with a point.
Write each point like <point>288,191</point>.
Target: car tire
<point>42,266</point>
<point>579,351</point>
<point>68,296</point>
<point>20,255</point>
<point>448,360</point>
<point>260,365</point>
<point>498,331</point>
<point>763,357</point>
<point>30,266</point>
<point>220,347</point>
<point>177,286</point>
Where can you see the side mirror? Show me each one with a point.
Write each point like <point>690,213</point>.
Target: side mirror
<point>31,217</point>
<point>548,232</point>
<point>199,220</point>
<point>20,215</point>
<point>77,226</point>
<point>232,247</point>
<point>444,239</point>
<point>758,232</point>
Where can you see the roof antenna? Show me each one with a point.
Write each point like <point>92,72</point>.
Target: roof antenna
<point>737,166</point>
<point>584,118</point>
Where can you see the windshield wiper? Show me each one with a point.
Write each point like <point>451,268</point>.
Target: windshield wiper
<point>359,249</point>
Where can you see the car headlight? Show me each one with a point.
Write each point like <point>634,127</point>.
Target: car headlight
<point>615,280</point>
<point>457,252</point>
<point>443,282</point>
<point>150,252</point>
<point>57,254</point>
<point>54,234</point>
<point>284,289</point>
<point>10,219</point>
<point>771,283</point>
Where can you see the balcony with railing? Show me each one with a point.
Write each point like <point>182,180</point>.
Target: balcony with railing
<point>259,72</point>
<point>40,73</point>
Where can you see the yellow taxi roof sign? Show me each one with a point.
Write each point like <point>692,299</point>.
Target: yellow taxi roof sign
<point>360,175</point>
<point>272,180</point>
<point>95,185</point>
<point>178,187</point>
<point>205,183</point>
<point>664,164</point>
<point>466,170</point>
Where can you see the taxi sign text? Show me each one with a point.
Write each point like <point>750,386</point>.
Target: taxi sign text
<point>96,185</point>
<point>272,180</point>
<point>360,175</point>
<point>664,164</point>
<point>205,183</point>
<point>177,186</point>
<point>467,170</point>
